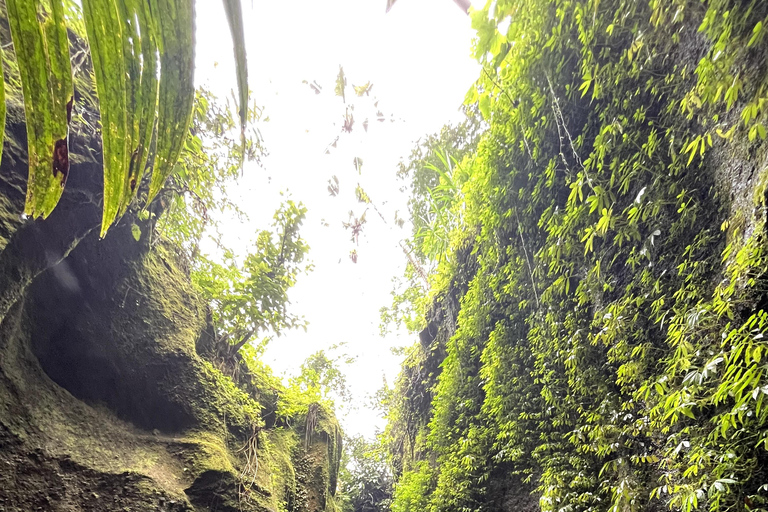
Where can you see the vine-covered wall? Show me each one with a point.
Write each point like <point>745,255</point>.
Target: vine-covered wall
<point>608,352</point>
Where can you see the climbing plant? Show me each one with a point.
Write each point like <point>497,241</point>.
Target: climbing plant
<point>608,353</point>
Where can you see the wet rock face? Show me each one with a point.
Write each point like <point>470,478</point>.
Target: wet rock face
<point>80,346</point>
<point>215,490</point>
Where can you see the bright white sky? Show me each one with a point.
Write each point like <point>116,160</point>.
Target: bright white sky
<point>418,58</point>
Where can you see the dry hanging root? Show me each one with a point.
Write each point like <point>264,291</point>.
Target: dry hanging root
<point>251,466</point>
<point>311,424</point>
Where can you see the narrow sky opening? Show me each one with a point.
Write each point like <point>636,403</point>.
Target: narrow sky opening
<point>418,59</point>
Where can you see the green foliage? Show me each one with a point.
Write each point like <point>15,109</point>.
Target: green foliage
<point>443,212</point>
<point>124,38</point>
<point>608,352</point>
<point>173,26</point>
<point>252,296</point>
<point>123,45</point>
<point>247,293</point>
<point>366,482</point>
<point>414,489</point>
<point>320,381</point>
<point>408,303</point>
<point>196,195</point>
<point>436,178</point>
<point>42,54</point>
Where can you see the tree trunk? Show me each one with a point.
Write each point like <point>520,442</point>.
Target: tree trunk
<point>234,349</point>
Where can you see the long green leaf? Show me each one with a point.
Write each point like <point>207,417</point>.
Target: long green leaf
<point>125,63</point>
<point>60,69</point>
<point>105,35</point>
<point>174,29</point>
<point>2,105</point>
<point>140,58</point>
<point>147,100</point>
<point>131,45</point>
<point>235,18</point>
<point>42,52</point>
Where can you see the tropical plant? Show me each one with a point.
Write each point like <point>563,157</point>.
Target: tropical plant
<point>365,478</point>
<point>607,351</point>
<point>251,296</point>
<point>320,382</point>
<point>435,175</point>
<point>143,60</point>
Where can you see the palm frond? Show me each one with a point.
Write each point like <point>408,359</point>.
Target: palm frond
<point>39,37</point>
<point>235,18</point>
<point>173,21</point>
<point>143,60</point>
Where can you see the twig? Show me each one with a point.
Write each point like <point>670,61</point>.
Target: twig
<point>419,269</point>
<point>513,103</point>
<point>559,113</point>
<point>527,258</point>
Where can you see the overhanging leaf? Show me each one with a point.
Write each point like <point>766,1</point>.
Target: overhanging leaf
<point>62,87</point>
<point>140,60</point>
<point>2,106</point>
<point>124,55</point>
<point>105,35</point>
<point>146,103</point>
<point>234,12</point>
<point>174,30</point>
<point>42,53</point>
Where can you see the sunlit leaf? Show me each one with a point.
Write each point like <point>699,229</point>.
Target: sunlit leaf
<point>362,90</point>
<point>136,232</point>
<point>174,30</point>
<point>105,34</point>
<point>235,18</point>
<point>42,53</point>
<point>362,197</point>
<point>140,61</point>
<point>2,106</point>
<point>341,84</point>
<point>485,106</point>
<point>146,101</point>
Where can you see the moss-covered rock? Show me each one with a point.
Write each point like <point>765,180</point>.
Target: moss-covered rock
<point>105,403</point>
<point>99,373</point>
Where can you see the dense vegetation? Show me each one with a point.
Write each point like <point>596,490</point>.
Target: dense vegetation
<point>586,271</point>
<point>595,338</point>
